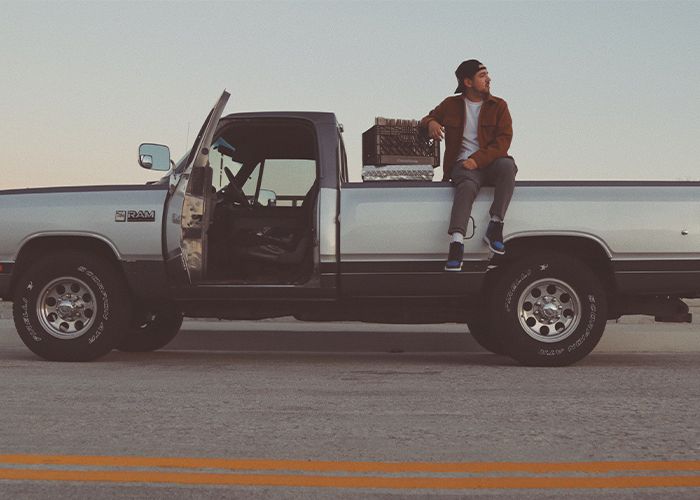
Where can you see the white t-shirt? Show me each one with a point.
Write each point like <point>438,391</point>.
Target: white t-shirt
<point>470,143</point>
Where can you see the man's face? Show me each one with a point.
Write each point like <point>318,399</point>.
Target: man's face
<point>481,82</point>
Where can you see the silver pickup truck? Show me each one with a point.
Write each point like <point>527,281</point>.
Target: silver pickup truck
<point>260,220</point>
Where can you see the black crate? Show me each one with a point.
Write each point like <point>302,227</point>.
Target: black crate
<point>399,145</point>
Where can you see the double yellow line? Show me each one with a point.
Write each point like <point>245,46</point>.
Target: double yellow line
<point>343,474</point>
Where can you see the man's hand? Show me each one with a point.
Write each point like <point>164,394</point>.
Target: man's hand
<point>470,164</point>
<point>436,131</point>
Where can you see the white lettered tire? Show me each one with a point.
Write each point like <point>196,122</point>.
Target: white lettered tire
<point>71,306</point>
<point>548,309</point>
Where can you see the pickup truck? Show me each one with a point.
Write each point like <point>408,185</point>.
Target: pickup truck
<point>260,220</point>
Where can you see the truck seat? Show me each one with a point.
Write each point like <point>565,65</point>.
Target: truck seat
<point>290,247</point>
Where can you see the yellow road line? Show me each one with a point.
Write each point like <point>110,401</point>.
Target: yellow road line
<point>346,466</point>
<point>353,482</point>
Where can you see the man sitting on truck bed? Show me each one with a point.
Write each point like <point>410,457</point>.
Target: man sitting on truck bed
<point>478,132</point>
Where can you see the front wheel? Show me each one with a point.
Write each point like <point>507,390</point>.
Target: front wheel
<point>549,310</point>
<point>72,306</point>
<point>154,330</point>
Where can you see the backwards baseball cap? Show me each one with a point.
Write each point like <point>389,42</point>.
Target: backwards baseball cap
<point>467,70</point>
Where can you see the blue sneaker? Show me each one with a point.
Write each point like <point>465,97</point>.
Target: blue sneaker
<point>454,258</point>
<point>494,237</point>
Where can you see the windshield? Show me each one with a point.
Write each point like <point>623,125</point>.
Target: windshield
<point>219,159</point>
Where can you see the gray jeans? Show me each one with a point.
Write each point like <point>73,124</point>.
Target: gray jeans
<point>500,174</point>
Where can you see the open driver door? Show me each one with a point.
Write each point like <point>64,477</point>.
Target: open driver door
<point>189,207</point>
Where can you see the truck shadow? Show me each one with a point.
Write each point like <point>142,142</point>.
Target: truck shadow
<point>258,358</point>
<point>345,341</point>
<point>426,360</point>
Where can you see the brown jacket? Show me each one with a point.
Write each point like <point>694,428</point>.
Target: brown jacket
<point>494,133</point>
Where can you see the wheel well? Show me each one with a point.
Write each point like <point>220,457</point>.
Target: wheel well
<point>585,249</point>
<point>41,247</point>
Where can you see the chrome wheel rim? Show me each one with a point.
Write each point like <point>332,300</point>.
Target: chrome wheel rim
<point>549,310</point>
<point>66,308</point>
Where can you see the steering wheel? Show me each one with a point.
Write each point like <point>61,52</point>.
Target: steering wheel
<point>233,192</point>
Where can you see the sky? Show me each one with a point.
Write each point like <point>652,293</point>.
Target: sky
<point>597,90</point>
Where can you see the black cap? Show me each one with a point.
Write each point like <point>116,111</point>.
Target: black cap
<point>467,70</point>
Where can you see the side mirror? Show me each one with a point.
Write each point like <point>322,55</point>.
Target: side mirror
<point>154,157</point>
<point>267,198</point>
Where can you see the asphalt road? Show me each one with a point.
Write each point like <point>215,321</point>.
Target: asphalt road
<point>353,411</point>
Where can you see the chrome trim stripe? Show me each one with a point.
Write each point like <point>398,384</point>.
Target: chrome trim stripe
<point>656,266</point>
<point>86,189</point>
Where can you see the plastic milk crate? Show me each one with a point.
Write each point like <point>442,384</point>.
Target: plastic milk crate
<point>398,142</point>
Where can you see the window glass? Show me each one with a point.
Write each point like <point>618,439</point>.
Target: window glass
<point>290,180</point>
<point>218,162</point>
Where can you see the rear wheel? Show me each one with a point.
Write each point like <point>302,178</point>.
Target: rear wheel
<point>550,310</point>
<point>71,307</point>
<point>153,330</point>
